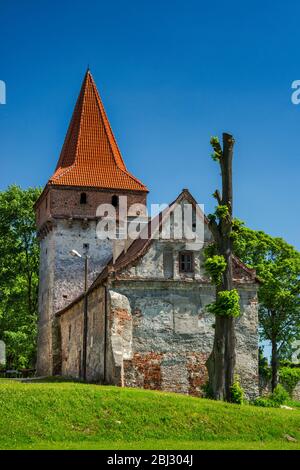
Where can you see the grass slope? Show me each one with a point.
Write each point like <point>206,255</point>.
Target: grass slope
<point>79,416</point>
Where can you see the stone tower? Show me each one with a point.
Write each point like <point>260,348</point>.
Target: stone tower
<point>90,172</point>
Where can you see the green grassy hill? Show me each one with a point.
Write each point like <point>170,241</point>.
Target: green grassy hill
<point>79,416</point>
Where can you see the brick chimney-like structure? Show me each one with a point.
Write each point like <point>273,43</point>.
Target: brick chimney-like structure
<point>90,171</point>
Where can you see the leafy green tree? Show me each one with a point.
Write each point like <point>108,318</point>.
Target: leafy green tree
<point>278,266</point>
<point>19,265</point>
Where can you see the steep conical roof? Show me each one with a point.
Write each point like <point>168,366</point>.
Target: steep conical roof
<point>90,156</point>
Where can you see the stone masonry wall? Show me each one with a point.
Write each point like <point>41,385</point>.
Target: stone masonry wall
<point>46,295</point>
<point>119,337</point>
<point>71,325</point>
<point>173,336</point>
<point>69,225</point>
<point>62,279</point>
<point>159,338</point>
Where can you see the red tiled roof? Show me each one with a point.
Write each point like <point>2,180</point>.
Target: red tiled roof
<point>90,156</point>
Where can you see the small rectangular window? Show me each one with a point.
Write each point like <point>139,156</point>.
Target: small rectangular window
<point>186,262</point>
<point>83,198</point>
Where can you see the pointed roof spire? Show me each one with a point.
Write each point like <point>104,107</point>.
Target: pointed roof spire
<point>90,155</point>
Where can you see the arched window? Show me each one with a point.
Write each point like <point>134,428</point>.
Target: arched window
<point>83,198</point>
<point>115,201</point>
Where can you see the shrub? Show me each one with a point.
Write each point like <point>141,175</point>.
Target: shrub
<point>207,390</point>
<point>289,377</point>
<point>277,398</point>
<point>264,402</point>
<point>280,395</point>
<point>237,392</point>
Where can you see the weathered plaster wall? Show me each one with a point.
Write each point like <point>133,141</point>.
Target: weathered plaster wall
<point>119,347</point>
<point>159,334</point>
<point>62,280</point>
<point>173,336</point>
<point>46,295</point>
<point>71,323</point>
<point>69,270</point>
<point>151,265</point>
<point>65,224</point>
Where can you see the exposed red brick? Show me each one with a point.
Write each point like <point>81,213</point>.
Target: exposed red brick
<point>148,366</point>
<point>197,372</point>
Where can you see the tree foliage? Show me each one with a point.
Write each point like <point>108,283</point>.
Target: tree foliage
<point>278,266</point>
<point>289,378</point>
<point>227,304</point>
<point>19,265</point>
<point>215,265</point>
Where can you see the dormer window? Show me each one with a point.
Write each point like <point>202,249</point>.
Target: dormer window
<point>186,262</point>
<point>115,201</point>
<point>83,198</point>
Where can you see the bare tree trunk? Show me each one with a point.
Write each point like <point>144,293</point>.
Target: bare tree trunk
<point>221,362</point>
<point>274,365</point>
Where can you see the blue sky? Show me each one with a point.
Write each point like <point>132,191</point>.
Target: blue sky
<point>171,74</point>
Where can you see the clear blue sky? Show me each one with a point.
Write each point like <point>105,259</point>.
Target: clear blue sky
<point>171,74</point>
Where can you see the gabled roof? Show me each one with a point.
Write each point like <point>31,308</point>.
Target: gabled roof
<point>90,156</point>
<point>141,245</point>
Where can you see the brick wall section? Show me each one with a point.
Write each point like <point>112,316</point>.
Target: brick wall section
<point>197,373</point>
<point>65,202</point>
<point>144,371</point>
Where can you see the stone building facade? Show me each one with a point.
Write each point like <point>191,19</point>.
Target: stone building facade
<point>147,323</point>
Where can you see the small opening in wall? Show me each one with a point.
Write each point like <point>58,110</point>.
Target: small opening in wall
<point>115,200</point>
<point>83,198</point>
<point>70,332</point>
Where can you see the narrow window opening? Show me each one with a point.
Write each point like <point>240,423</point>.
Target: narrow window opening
<point>83,198</point>
<point>115,201</point>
